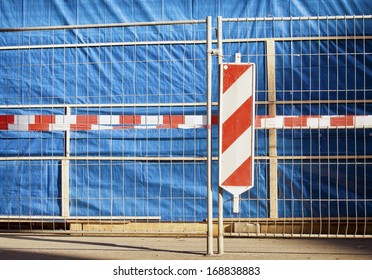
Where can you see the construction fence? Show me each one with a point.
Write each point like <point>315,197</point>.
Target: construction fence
<point>113,128</point>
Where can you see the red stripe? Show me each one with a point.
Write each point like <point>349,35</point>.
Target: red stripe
<point>6,119</point>
<point>257,121</point>
<point>242,176</point>
<point>44,119</point>
<point>232,73</point>
<point>134,119</point>
<point>80,126</point>
<point>295,121</point>
<point>39,127</point>
<point>173,121</point>
<point>3,119</point>
<point>342,121</point>
<point>81,119</point>
<point>236,124</point>
<point>215,120</point>
<point>164,126</point>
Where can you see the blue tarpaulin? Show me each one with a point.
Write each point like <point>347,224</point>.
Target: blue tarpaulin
<point>176,191</point>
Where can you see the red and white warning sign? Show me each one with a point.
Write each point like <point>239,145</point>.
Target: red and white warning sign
<point>236,128</point>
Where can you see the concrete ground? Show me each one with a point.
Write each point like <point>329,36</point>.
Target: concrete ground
<point>65,247</point>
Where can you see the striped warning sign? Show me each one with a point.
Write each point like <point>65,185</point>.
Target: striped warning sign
<point>236,128</point>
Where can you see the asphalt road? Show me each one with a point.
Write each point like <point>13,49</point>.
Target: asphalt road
<point>66,247</point>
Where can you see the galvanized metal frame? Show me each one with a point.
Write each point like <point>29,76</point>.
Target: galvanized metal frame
<point>210,250</point>
<point>272,158</point>
<point>65,160</point>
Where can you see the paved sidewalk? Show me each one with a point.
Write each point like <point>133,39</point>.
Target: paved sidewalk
<point>65,247</point>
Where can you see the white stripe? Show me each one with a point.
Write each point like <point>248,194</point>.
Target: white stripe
<point>149,120</point>
<point>190,126</point>
<point>108,119</point>
<point>263,123</point>
<point>277,122</point>
<point>145,127</point>
<point>363,121</point>
<point>101,127</point>
<point>18,127</point>
<point>235,155</point>
<point>65,119</point>
<point>312,122</point>
<point>236,95</point>
<point>195,120</point>
<point>59,126</point>
<point>324,122</point>
<point>24,119</point>
<point>235,190</point>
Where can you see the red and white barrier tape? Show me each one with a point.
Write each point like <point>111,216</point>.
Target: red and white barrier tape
<point>118,122</point>
<point>313,122</point>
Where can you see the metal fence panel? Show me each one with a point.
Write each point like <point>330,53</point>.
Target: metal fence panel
<point>108,128</point>
<point>103,127</point>
<point>313,106</point>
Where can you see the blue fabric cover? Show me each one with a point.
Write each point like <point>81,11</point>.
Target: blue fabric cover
<point>177,191</point>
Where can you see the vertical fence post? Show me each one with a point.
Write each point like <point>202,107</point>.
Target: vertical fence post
<point>209,138</point>
<point>65,169</point>
<point>220,190</point>
<point>271,88</point>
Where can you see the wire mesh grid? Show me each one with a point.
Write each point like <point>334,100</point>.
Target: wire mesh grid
<point>103,127</point>
<point>313,106</point>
